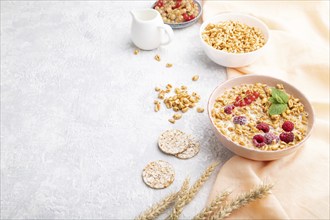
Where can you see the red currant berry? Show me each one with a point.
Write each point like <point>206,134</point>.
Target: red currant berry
<point>191,17</point>
<point>177,4</point>
<point>256,94</point>
<point>247,100</point>
<point>185,16</point>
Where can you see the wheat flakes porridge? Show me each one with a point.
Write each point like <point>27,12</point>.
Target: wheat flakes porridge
<point>261,117</point>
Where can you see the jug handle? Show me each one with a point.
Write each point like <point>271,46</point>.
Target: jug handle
<point>169,31</point>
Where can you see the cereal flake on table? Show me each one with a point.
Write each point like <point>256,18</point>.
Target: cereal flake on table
<point>181,100</point>
<point>169,65</point>
<point>157,57</point>
<point>195,77</point>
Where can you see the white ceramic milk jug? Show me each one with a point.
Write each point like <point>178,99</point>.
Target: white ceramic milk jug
<point>148,30</point>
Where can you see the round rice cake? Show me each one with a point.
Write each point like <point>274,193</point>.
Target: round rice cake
<point>158,174</point>
<point>173,142</point>
<point>191,151</point>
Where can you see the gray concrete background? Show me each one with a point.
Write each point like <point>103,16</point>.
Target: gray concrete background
<point>77,119</point>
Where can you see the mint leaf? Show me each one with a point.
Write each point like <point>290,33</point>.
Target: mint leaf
<point>276,109</point>
<point>272,100</point>
<point>280,96</point>
<point>278,99</point>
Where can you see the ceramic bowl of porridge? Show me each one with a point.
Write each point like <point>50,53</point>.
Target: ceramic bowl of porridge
<point>260,117</point>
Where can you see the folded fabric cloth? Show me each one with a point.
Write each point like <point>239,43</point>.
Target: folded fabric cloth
<point>298,53</point>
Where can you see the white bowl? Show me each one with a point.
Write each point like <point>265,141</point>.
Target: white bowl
<point>232,59</point>
<point>252,153</point>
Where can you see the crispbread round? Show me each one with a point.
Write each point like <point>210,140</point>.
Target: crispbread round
<point>158,174</point>
<point>173,142</point>
<point>191,151</point>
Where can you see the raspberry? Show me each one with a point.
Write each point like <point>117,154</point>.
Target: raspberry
<point>240,120</point>
<point>229,109</point>
<point>288,126</point>
<point>270,137</point>
<point>263,126</point>
<point>287,137</point>
<point>259,140</point>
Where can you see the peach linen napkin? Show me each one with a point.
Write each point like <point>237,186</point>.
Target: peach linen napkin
<point>298,53</point>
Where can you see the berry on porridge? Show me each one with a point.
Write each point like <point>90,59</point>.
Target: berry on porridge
<point>260,117</point>
<point>259,140</point>
<point>287,137</point>
<point>177,11</point>
<point>271,137</point>
<point>263,126</point>
<point>240,120</point>
<point>288,126</point>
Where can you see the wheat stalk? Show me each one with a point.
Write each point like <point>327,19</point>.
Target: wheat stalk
<point>190,194</point>
<point>200,182</point>
<point>180,201</point>
<point>183,197</point>
<point>257,193</point>
<point>157,209</point>
<point>215,205</point>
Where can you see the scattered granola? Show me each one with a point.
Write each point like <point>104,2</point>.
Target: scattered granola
<point>200,110</point>
<point>157,105</point>
<point>177,116</point>
<point>261,117</point>
<point>158,174</point>
<point>171,120</point>
<point>136,52</point>
<point>157,57</point>
<point>195,78</point>
<point>180,101</point>
<point>169,65</point>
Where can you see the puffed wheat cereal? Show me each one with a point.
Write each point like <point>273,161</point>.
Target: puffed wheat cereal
<point>233,37</point>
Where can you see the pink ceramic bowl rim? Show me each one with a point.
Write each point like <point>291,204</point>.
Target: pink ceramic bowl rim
<point>209,109</point>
